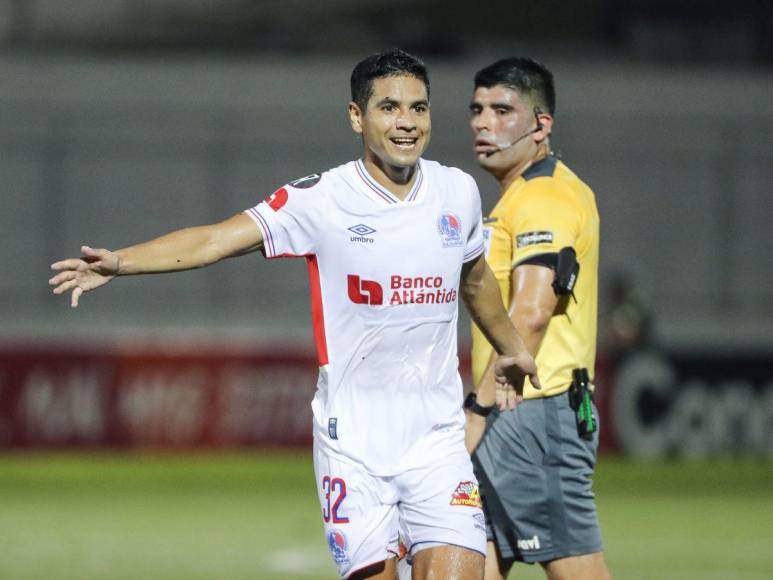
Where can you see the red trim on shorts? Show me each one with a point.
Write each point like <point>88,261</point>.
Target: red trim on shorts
<point>317,314</point>
<point>361,568</point>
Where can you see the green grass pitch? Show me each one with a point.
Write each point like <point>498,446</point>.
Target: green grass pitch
<point>255,516</point>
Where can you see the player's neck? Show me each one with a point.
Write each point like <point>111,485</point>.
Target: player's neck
<point>507,178</point>
<point>396,180</point>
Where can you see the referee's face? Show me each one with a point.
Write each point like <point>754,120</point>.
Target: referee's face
<point>396,126</point>
<point>502,124</point>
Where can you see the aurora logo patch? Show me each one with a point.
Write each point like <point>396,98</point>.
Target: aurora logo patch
<point>466,493</point>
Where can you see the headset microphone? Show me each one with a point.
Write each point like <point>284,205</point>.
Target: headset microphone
<point>539,127</point>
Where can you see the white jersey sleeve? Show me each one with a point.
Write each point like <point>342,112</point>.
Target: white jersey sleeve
<point>291,218</point>
<point>474,243</point>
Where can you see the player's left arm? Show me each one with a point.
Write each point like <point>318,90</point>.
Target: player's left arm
<point>179,250</point>
<point>480,292</point>
<point>531,308</point>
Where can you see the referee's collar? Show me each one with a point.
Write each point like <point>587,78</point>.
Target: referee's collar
<point>545,167</point>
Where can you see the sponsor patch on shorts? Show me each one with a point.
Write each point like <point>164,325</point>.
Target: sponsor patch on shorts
<point>533,238</point>
<point>466,493</point>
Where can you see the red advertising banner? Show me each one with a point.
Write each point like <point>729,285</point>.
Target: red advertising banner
<point>651,403</point>
<point>178,398</point>
<point>166,397</point>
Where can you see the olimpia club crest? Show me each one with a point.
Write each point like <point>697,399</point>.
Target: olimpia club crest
<point>450,228</point>
<point>339,546</point>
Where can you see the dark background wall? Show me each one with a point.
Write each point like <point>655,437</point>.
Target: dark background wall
<point>121,120</point>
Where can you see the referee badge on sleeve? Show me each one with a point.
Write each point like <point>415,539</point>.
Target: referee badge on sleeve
<point>533,238</point>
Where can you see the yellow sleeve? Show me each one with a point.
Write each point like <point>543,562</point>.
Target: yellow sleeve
<point>544,218</point>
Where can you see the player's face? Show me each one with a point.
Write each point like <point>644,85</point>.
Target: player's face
<point>396,125</point>
<point>500,125</point>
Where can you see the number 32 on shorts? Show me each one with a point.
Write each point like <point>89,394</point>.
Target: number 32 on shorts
<point>336,487</point>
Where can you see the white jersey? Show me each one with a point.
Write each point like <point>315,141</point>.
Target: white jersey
<point>384,277</point>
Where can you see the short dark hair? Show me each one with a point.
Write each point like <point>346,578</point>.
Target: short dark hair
<point>393,62</point>
<point>531,79</point>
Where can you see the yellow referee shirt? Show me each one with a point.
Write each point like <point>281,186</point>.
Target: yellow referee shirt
<point>547,208</point>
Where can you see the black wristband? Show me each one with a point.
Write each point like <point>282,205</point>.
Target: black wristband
<point>471,404</point>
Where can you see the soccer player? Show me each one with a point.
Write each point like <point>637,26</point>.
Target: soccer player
<point>542,242</point>
<point>391,241</point>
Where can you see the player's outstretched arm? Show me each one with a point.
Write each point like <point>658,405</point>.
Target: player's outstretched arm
<point>480,291</point>
<point>184,249</point>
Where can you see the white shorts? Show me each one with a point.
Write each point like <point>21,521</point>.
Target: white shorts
<point>366,516</point>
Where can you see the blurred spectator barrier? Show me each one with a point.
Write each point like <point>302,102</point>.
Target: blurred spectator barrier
<point>690,404</point>
<point>147,397</point>
<point>652,404</point>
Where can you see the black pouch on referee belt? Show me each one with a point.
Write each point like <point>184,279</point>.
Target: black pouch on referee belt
<point>567,270</point>
<point>581,399</point>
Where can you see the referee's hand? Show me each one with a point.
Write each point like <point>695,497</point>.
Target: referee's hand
<point>510,372</point>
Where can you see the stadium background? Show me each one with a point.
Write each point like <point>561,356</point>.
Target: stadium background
<point>161,430</point>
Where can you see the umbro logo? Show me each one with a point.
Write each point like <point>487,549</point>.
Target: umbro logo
<point>361,232</point>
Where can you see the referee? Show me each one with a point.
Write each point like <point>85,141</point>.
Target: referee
<point>535,462</point>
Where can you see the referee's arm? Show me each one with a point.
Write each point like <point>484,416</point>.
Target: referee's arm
<point>533,303</point>
<point>480,292</point>
<point>531,307</point>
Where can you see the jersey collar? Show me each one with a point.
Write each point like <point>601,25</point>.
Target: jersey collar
<point>377,191</point>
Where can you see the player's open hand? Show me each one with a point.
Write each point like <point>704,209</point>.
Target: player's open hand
<point>93,269</point>
<point>510,372</point>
